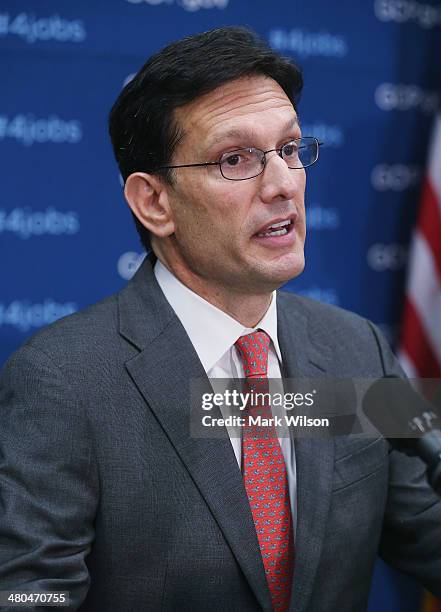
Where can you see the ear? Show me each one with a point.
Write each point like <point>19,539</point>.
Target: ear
<point>147,197</point>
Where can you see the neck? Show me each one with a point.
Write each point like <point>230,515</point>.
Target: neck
<point>246,308</point>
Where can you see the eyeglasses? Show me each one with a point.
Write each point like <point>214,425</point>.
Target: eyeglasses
<point>247,163</point>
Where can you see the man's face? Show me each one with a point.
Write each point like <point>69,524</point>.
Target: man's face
<point>218,221</point>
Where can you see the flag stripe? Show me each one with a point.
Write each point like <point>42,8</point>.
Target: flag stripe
<point>424,292</point>
<point>415,345</point>
<point>406,363</point>
<point>429,222</point>
<point>420,349</point>
<point>434,168</point>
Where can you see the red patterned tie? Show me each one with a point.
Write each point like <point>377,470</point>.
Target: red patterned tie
<point>264,474</point>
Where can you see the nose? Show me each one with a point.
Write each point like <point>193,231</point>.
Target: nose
<point>280,182</point>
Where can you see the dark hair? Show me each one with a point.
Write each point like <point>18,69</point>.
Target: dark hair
<point>141,123</point>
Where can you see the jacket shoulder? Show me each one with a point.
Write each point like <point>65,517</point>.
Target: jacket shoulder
<point>322,314</point>
<point>348,338</point>
<point>91,330</point>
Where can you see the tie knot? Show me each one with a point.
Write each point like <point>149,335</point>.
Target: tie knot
<point>253,352</point>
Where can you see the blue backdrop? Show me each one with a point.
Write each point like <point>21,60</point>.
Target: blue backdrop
<point>372,86</point>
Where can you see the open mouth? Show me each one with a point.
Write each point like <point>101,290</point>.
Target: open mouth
<point>277,229</point>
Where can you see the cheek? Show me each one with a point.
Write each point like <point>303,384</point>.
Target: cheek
<point>214,210</point>
<point>237,208</point>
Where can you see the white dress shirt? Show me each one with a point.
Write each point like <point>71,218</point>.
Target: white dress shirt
<point>213,334</point>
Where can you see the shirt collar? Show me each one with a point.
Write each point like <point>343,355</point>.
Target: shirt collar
<point>211,331</point>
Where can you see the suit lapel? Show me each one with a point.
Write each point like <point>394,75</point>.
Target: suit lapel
<point>304,356</point>
<point>162,371</point>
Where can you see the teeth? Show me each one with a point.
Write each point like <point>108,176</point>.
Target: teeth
<point>281,223</point>
<point>279,233</point>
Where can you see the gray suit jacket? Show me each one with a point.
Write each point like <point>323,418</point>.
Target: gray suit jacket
<point>103,493</point>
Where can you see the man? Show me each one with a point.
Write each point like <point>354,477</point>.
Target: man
<point>104,493</point>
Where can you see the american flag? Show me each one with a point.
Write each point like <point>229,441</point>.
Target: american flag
<point>420,343</point>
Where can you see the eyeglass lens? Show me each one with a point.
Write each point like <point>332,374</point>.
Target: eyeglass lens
<point>247,163</point>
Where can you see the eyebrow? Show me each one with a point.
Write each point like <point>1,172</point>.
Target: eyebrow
<point>238,133</point>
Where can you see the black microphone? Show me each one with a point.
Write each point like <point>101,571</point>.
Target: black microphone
<point>409,422</point>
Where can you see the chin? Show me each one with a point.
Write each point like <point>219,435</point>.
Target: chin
<point>287,270</point>
<point>282,279</point>
<point>275,277</point>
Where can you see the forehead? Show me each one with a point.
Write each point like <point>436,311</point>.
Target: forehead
<point>255,102</point>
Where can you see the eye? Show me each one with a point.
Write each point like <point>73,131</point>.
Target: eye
<point>290,149</point>
<point>232,160</point>
<point>239,157</point>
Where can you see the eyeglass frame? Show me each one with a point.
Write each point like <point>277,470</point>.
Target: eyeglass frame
<point>264,154</point>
